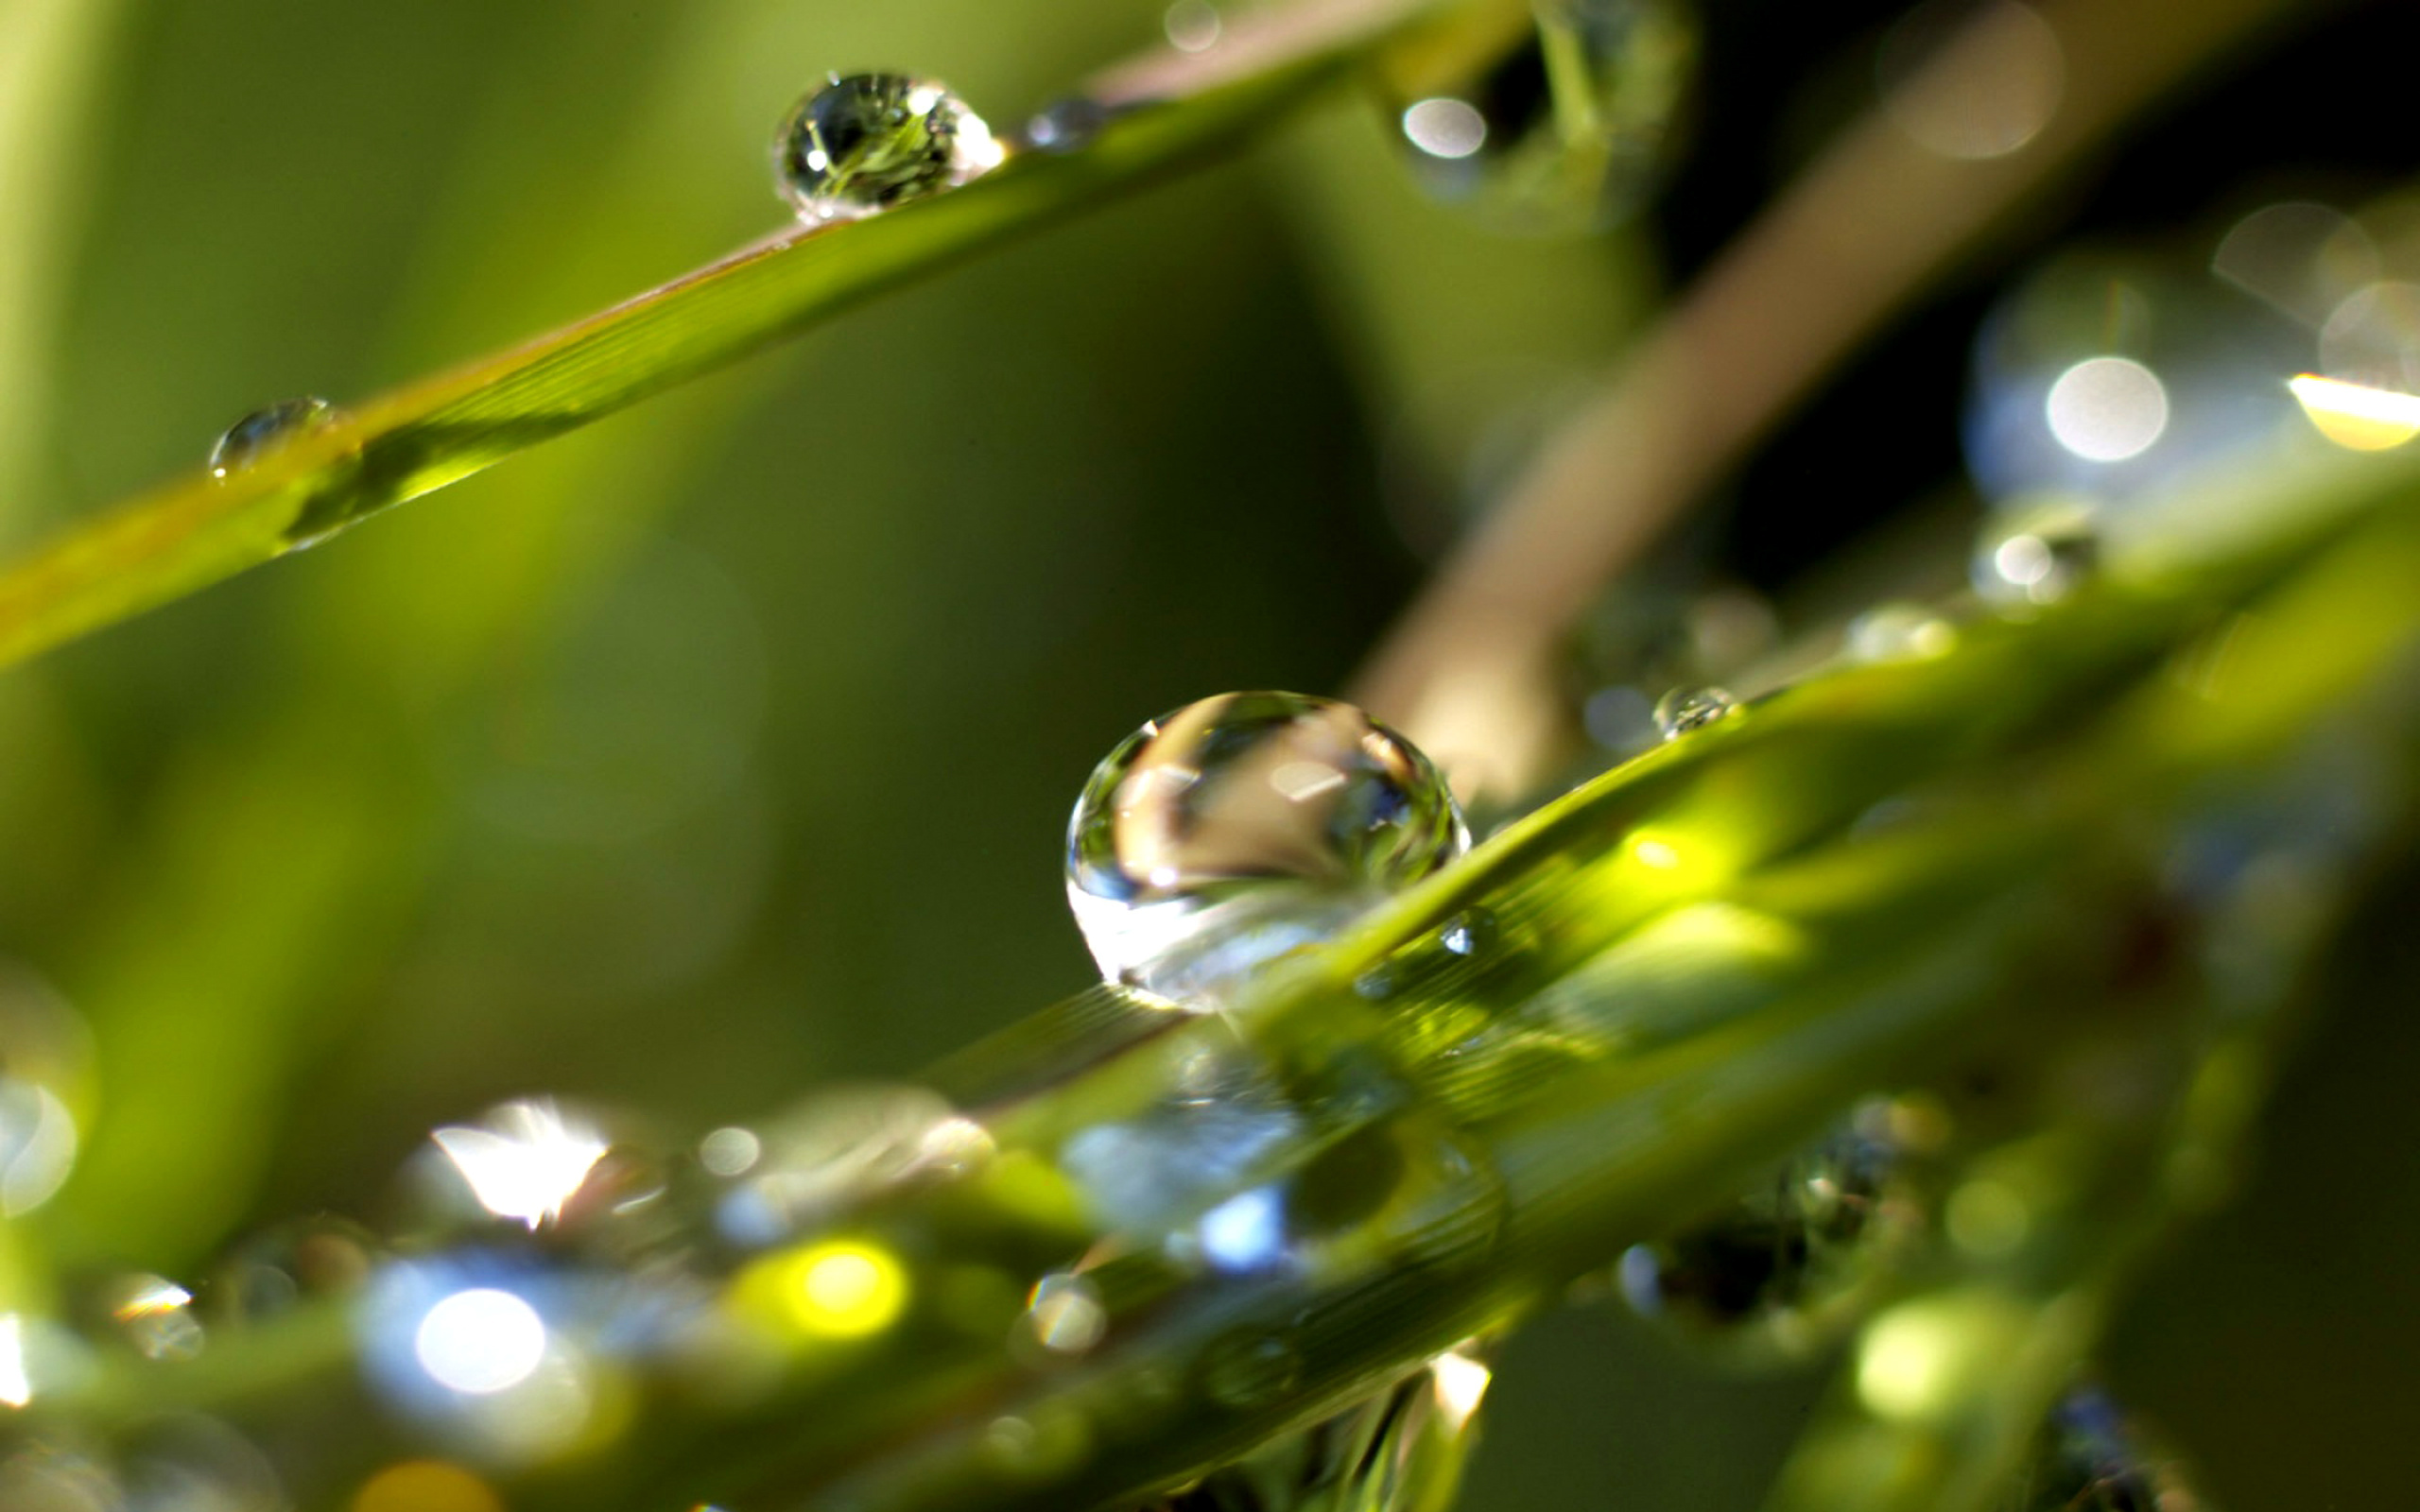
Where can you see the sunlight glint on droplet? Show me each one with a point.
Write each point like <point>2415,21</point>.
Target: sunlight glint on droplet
<point>480,1342</point>
<point>2357,417</point>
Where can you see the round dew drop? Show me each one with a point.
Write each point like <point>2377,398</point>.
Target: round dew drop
<point>1245,826</point>
<point>864,143</point>
<point>1685,709</point>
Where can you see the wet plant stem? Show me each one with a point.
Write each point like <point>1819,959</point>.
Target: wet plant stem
<point>1471,670</point>
<point>1695,962</point>
<point>1159,115</point>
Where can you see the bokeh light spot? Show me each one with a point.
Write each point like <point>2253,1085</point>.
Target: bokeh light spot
<point>480,1341</point>
<point>426,1486</point>
<point>2107,409</point>
<point>2354,416</point>
<point>1446,127</point>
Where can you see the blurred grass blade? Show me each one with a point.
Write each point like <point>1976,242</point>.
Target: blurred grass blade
<point>199,530</point>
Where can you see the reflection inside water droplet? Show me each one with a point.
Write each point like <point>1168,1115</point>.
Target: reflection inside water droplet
<point>870,142</point>
<point>267,429</point>
<point>1245,826</point>
<point>1685,709</point>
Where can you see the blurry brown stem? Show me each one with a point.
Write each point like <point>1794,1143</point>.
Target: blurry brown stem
<point>1470,671</point>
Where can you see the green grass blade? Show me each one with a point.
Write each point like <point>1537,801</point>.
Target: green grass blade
<point>199,529</point>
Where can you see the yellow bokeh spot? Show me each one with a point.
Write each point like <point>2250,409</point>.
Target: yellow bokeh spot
<point>426,1486</point>
<point>836,1289</point>
<point>2355,416</point>
<point>1663,855</point>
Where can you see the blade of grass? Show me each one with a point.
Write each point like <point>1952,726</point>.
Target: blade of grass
<point>1165,115</point>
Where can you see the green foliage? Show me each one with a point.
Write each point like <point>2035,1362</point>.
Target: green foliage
<point>426,840</point>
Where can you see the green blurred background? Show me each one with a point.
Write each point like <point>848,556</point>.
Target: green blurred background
<point>725,748</point>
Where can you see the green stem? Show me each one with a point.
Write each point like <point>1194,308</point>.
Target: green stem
<point>1172,113</point>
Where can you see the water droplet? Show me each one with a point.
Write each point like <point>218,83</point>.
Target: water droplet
<point>1402,1448</point>
<point>156,1315</point>
<point>526,1161</point>
<point>1064,126</point>
<point>1191,26</point>
<point>2089,1458</point>
<point>869,142</point>
<point>323,1256</point>
<point>1424,967</point>
<point>1563,130</point>
<point>1685,709</point>
<point>1898,632</point>
<point>729,1152</point>
<point>2035,555</point>
<point>267,429</point>
<point>1243,827</point>
<point>1065,1314</point>
<point>840,1147</point>
<point>1250,1368</point>
<point>1783,1270</point>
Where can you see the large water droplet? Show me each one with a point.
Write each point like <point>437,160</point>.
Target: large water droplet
<point>267,429</point>
<point>1561,131</point>
<point>1781,1271</point>
<point>1685,709</point>
<point>869,142</point>
<point>1245,826</point>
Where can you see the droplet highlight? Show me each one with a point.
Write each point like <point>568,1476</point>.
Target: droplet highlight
<point>869,142</point>
<point>1243,827</point>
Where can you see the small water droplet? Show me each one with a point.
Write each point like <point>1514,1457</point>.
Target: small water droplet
<point>270,1272</point>
<point>1064,126</point>
<point>1191,26</point>
<point>1249,1370</point>
<point>870,142</point>
<point>1065,1314</point>
<point>156,1315</point>
<point>2035,555</point>
<point>267,429</point>
<point>729,1152</point>
<point>840,1147</point>
<point>1685,709</point>
<point>2088,1457</point>
<point>1245,826</point>
<point>1898,632</point>
<point>1784,1269</point>
<point>1564,130</point>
